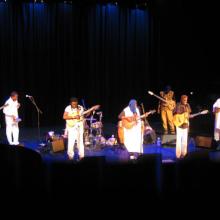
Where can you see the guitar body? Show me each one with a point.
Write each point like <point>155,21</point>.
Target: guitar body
<point>17,120</point>
<point>129,123</point>
<point>72,122</point>
<point>171,104</point>
<point>179,119</point>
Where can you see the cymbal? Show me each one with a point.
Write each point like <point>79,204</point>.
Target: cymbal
<point>89,119</point>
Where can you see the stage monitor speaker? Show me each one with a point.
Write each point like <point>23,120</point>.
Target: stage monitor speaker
<point>202,141</point>
<point>169,139</point>
<point>58,145</point>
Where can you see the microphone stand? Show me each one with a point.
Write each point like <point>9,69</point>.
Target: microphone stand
<point>38,115</point>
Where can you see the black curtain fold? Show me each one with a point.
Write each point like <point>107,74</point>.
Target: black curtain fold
<point>99,53</point>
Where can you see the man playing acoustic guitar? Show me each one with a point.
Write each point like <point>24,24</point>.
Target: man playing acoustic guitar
<point>132,129</point>
<point>182,110</point>
<point>73,115</point>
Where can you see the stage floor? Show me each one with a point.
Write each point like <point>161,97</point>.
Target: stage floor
<point>29,138</point>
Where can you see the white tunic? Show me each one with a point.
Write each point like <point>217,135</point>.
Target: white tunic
<point>133,138</point>
<point>71,110</point>
<point>217,115</point>
<point>10,110</point>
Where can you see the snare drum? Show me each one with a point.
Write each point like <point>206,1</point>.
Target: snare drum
<point>96,125</point>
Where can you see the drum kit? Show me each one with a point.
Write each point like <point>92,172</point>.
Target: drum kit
<point>93,133</point>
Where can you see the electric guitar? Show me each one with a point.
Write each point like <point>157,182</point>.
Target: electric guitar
<point>179,119</point>
<point>73,122</point>
<point>130,121</point>
<point>171,104</point>
<point>17,120</point>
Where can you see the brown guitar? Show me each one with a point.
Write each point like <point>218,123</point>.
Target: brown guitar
<point>128,123</point>
<point>171,104</point>
<point>131,121</point>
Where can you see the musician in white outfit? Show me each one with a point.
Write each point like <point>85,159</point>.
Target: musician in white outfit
<point>74,127</point>
<point>133,137</point>
<point>216,111</point>
<point>11,119</point>
<point>183,109</point>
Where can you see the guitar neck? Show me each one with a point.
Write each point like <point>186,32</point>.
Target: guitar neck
<point>87,111</point>
<point>145,120</point>
<point>196,114</point>
<point>193,115</point>
<point>162,99</point>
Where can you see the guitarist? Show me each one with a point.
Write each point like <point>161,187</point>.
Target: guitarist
<point>11,115</point>
<point>166,110</point>
<point>74,133</point>
<point>182,108</point>
<point>133,137</point>
<point>216,111</point>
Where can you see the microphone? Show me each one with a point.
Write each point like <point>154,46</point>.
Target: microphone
<point>28,96</point>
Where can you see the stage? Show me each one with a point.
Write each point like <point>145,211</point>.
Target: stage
<point>113,153</point>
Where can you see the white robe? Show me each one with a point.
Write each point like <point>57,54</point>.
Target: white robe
<point>217,115</point>
<point>217,121</point>
<point>12,129</point>
<point>133,138</point>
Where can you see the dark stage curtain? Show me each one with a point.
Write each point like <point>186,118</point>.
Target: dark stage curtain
<point>99,53</point>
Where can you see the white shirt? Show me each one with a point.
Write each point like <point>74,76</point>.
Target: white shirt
<point>71,110</point>
<point>217,115</point>
<point>11,110</point>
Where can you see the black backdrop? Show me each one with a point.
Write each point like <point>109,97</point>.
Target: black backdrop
<point>105,54</point>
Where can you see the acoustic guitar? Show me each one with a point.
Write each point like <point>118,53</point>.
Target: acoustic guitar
<point>128,123</point>
<point>171,104</point>
<point>179,119</point>
<point>131,121</point>
<point>73,122</point>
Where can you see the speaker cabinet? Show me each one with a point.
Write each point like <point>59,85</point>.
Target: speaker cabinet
<point>206,142</point>
<point>58,145</point>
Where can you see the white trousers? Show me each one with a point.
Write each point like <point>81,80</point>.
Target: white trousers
<point>181,141</point>
<point>217,134</point>
<point>75,135</point>
<point>12,133</point>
